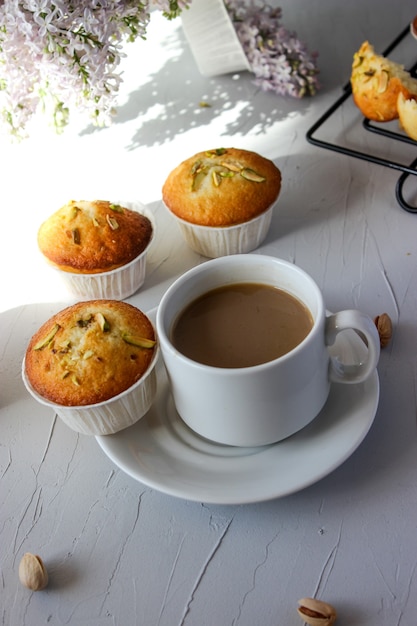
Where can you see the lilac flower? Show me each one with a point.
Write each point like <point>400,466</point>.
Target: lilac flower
<point>281,62</point>
<point>171,8</point>
<point>58,55</point>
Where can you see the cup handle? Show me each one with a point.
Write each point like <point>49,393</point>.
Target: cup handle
<point>364,326</point>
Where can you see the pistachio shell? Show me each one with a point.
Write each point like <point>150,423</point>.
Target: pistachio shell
<point>383,324</point>
<point>316,612</point>
<point>32,572</point>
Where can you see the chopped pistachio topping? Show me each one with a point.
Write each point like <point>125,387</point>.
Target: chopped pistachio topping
<point>139,342</point>
<point>96,222</point>
<point>251,175</point>
<point>200,170</point>
<point>76,237</point>
<point>216,178</point>
<point>43,343</point>
<point>74,211</point>
<point>198,179</point>
<point>88,354</point>
<point>102,322</point>
<point>230,165</point>
<point>75,380</point>
<point>82,323</point>
<point>196,167</point>
<point>116,208</point>
<point>216,152</point>
<point>383,81</point>
<point>114,224</point>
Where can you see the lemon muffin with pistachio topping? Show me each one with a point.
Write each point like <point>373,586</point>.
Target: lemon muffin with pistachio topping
<point>93,362</point>
<point>222,199</point>
<point>98,246</point>
<point>377,82</point>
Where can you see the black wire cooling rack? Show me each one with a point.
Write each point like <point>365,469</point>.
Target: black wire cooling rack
<point>380,129</point>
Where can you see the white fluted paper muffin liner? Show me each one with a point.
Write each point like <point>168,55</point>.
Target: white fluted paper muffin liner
<point>116,284</point>
<point>110,416</point>
<point>213,242</point>
<point>212,38</point>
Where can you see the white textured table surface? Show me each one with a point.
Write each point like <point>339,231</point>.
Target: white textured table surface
<point>119,552</point>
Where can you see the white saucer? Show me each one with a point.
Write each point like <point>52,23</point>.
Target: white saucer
<point>161,452</point>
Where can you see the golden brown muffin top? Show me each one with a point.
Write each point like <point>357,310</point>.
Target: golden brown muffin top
<point>90,352</point>
<point>93,236</point>
<point>222,187</point>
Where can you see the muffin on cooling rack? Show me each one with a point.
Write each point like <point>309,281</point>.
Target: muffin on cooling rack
<point>377,82</point>
<point>223,199</point>
<point>93,363</point>
<point>407,111</point>
<point>99,247</point>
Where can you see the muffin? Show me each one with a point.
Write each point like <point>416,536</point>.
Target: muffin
<point>98,246</point>
<point>222,199</point>
<point>407,111</point>
<point>377,82</point>
<point>93,362</point>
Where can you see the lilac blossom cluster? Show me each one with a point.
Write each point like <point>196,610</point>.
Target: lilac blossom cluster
<point>56,55</point>
<point>280,62</point>
<point>59,55</point>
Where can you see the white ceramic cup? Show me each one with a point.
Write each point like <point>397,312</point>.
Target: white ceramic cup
<point>265,403</point>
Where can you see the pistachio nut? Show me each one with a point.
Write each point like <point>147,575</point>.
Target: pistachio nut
<point>316,612</point>
<point>112,222</point>
<point>102,322</point>
<point>384,327</point>
<point>139,342</point>
<point>45,341</point>
<point>383,81</point>
<point>32,572</point>
<point>251,175</point>
<point>76,237</point>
